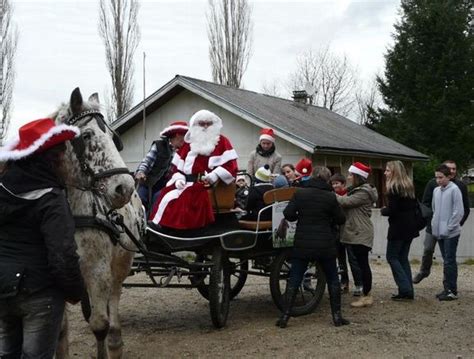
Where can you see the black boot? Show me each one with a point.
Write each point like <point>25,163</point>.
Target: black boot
<point>290,300</point>
<point>335,300</point>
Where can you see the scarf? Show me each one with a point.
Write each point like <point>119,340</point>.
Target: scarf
<point>263,153</point>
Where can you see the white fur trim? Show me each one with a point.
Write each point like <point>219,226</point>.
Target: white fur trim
<point>356,170</point>
<point>267,137</point>
<point>212,177</point>
<point>178,162</point>
<point>170,196</point>
<point>223,174</point>
<point>174,178</point>
<point>8,153</point>
<point>226,156</point>
<point>189,162</point>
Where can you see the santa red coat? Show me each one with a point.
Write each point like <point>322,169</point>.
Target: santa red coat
<point>190,207</point>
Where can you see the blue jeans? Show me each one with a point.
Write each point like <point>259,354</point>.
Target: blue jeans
<point>143,193</point>
<point>397,257</point>
<point>300,265</point>
<point>448,247</point>
<point>30,325</point>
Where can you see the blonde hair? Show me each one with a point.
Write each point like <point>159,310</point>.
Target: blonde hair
<point>400,182</point>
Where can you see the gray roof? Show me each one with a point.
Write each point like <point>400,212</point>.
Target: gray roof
<point>313,128</point>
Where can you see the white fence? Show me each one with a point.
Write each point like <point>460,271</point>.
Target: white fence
<point>465,246</point>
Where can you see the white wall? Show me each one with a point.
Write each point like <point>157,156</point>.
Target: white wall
<point>465,246</point>
<point>243,135</point>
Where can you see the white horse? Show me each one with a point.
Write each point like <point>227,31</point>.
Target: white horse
<point>98,182</point>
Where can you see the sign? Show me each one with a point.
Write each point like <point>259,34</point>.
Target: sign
<point>283,230</point>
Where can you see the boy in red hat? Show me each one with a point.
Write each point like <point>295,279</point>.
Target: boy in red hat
<point>304,168</point>
<point>39,267</point>
<point>153,171</point>
<point>265,154</point>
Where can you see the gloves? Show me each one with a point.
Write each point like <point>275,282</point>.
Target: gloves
<point>180,184</point>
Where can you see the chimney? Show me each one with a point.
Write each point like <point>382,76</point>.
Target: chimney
<point>302,97</point>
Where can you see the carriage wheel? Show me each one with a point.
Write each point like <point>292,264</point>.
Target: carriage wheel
<point>309,293</point>
<point>219,288</point>
<point>238,276</point>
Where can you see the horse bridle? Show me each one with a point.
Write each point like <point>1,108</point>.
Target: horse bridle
<point>79,146</point>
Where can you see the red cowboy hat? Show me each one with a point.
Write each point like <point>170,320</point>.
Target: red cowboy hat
<point>35,137</point>
<point>175,127</point>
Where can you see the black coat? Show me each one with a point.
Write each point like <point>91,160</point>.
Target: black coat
<point>401,217</point>
<point>37,247</point>
<point>318,213</point>
<point>255,203</point>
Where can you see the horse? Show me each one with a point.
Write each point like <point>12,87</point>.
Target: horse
<point>97,184</point>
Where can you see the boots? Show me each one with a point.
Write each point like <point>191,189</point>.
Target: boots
<point>364,301</point>
<point>290,301</point>
<point>335,301</point>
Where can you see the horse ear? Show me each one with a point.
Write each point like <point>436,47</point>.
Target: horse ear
<point>76,101</point>
<point>94,98</point>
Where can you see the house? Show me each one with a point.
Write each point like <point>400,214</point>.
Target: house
<point>301,129</point>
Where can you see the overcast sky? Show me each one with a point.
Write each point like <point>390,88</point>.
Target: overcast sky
<point>59,46</point>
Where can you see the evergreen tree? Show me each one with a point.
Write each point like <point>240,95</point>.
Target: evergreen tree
<point>428,86</point>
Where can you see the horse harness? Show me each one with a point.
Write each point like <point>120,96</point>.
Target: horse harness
<point>103,223</point>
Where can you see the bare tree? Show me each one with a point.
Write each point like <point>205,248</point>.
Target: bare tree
<point>230,39</point>
<point>333,78</point>
<point>367,99</point>
<point>8,43</point>
<point>118,28</point>
<point>272,88</point>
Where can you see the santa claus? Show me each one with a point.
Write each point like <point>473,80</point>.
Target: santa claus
<point>205,158</point>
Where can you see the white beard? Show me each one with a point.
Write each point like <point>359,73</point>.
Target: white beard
<point>203,141</point>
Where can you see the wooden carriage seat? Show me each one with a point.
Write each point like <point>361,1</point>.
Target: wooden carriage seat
<point>222,196</point>
<point>269,197</point>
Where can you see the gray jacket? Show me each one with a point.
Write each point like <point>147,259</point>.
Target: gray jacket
<point>448,211</point>
<point>357,206</point>
<point>256,161</point>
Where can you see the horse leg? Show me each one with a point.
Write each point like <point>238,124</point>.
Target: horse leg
<point>120,269</point>
<point>62,348</point>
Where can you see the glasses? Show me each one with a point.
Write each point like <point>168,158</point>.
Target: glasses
<point>205,123</point>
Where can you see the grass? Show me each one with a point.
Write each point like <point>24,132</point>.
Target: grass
<point>469,262</point>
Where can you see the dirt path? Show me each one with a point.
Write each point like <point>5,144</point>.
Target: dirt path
<point>175,323</point>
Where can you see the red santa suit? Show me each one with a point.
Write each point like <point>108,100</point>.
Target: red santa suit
<point>190,207</point>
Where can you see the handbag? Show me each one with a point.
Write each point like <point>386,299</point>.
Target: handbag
<point>420,218</point>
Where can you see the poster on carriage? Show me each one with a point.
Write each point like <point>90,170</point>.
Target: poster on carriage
<point>283,230</point>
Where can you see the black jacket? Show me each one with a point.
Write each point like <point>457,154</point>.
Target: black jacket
<point>255,203</point>
<point>401,217</point>
<point>428,197</point>
<point>162,162</point>
<point>37,247</point>
<point>318,213</point>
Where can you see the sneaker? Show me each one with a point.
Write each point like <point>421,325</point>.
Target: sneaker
<point>419,277</point>
<point>402,297</point>
<point>448,296</point>
<point>357,292</point>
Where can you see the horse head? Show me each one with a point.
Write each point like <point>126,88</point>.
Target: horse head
<point>92,163</point>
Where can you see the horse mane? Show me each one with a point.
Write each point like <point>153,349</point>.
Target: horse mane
<point>64,111</point>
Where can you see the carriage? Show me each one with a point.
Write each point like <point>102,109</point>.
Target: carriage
<point>219,259</point>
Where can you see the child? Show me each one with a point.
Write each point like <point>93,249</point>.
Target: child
<point>448,211</point>
<point>338,183</point>
<point>263,183</point>
<point>241,193</point>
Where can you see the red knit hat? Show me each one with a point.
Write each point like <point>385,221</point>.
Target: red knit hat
<point>267,134</point>
<point>304,167</point>
<point>174,128</point>
<point>360,169</point>
<point>37,136</point>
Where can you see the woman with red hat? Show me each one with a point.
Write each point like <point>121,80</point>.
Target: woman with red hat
<point>358,231</point>
<point>39,267</point>
<point>152,173</point>
<point>265,154</point>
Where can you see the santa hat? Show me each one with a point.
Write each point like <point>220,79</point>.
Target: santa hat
<point>304,167</point>
<point>35,137</point>
<point>360,169</point>
<point>263,174</point>
<point>267,134</point>
<point>174,128</point>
